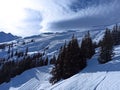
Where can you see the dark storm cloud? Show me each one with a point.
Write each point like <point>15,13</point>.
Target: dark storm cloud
<point>85,22</point>
<point>101,15</point>
<point>82,4</point>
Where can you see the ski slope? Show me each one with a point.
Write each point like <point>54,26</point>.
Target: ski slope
<point>94,77</point>
<point>34,79</point>
<point>48,42</point>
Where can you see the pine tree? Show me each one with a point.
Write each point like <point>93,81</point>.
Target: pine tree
<point>87,46</point>
<point>106,51</point>
<point>69,61</point>
<point>57,70</point>
<point>116,34</point>
<point>12,53</point>
<point>26,52</point>
<point>46,61</point>
<point>8,49</point>
<point>53,60</point>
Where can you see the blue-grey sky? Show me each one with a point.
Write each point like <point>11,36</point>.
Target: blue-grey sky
<point>29,17</point>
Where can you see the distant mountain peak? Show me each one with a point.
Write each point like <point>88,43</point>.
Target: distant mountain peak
<point>4,37</point>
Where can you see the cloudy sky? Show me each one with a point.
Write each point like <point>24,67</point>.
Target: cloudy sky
<point>29,17</point>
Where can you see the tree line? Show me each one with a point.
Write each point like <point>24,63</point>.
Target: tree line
<point>110,39</point>
<point>73,58</point>
<point>10,68</point>
<point>18,61</point>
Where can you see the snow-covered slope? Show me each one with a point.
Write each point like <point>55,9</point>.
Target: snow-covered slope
<point>48,42</point>
<point>94,77</point>
<point>34,79</point>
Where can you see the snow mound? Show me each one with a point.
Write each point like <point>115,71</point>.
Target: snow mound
<point>36,78</point>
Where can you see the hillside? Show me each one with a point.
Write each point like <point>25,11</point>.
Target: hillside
<point>94,77</point>
<point>48,42</point>
<point>59,45</point>
<point>33,79</point>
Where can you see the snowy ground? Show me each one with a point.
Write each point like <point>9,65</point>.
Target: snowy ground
<point>93,77</point>
<point>49,42</point>
<point>34,79</point>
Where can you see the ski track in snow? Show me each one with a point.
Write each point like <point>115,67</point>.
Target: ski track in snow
<point>100,81</point>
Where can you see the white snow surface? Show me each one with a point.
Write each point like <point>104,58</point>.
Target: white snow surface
<point>94,77</point>
<point>34,79</point>
<point>48,42</point>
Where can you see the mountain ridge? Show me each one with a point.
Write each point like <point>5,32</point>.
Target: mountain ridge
<point>5,37</point>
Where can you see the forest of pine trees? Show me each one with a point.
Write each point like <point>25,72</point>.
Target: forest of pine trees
<point>11,68</point>
<point>72,58</point>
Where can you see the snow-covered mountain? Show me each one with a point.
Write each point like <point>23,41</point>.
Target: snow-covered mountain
<point>5,37</point>
<point>48,42</point>
<point>94,77</point>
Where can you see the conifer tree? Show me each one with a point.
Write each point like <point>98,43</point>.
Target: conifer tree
<point>87,46</point>
<point>106,49</point>
<point>26,52</point>
<point>69,61</point>
<point>8,49</point>
<point>46,61</point>
<point>57,70</point>
<point>12,53</point>
<point>116,34</point>
<point>53,60</point>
